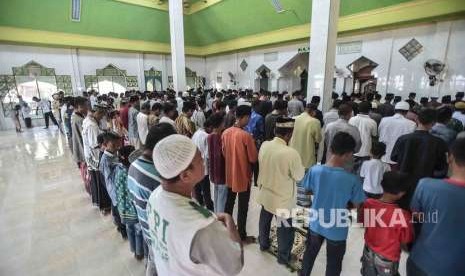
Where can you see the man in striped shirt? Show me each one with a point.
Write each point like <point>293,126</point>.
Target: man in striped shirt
<point>143,178</point>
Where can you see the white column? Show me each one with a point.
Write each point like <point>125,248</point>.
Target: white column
<point>78,84</point>
<point>165,72</point>
<point>322,56</point>
<point>140,73</point>
<point>177,44</point>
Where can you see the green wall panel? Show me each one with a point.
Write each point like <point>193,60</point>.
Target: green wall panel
<point>235,18</point>
<point>98,17</point>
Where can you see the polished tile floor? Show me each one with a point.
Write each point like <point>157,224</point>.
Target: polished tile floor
<point>48,226</point>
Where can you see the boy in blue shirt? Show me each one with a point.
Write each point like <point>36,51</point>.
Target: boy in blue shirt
<point>333,189</point>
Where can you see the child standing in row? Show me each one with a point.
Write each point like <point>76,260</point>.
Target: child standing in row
<point>125,205</point>
<point>388,232</point>
<point>372,171</point>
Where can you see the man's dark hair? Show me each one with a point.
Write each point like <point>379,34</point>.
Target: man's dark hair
<point>243,110</point>
<point>219,95</point>
<point>133,99</point>
<point>395,182</point>
<point>311,107</point>
<point>337,103</point>
<point>378,149</point>
<point>457,150</point>
<point>232,104</point>
<point>157,106</point>
<point>110,136</point>
<point>220,105</point>
<point>342,143</point>
<point>146,106</point>
<point>427,116</point>
<point>315,100</point>
<point>377,97</point>
<point>280,105</point>
<point>216,119</point>
<point>156,133</point>
<point>168,107</point>
<point>364,107</point>
<point>188,106</point>
<point>444,114</point>
<point>124,153</point>
<point>80,101</point>
<point>283,131</point>
<point>344,110</point>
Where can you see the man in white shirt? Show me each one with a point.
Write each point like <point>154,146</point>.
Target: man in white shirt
<point>202,189</point>
<point>90,143</point>
<point>368,130</point>
<point>45,105</point>
<point>187,238</point>
<point>391,128</point>
<point>93,99</point>
<point>199,114</point>
<point>142,122</point>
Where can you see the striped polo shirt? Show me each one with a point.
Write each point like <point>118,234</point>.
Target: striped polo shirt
<point>143,178</point>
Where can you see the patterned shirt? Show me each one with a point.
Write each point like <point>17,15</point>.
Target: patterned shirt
<point>124,198</point>
<point>184,125</point>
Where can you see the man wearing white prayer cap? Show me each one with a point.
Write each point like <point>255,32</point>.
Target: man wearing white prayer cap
<point>391,128</point>
<point>188,239</point>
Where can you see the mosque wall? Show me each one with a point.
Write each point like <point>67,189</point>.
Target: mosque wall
<point>440,40</point>
<point>395,74</point>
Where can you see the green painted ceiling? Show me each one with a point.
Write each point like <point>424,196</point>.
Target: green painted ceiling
<point>98,18</point>
<point>235,18</point>
<point>226,20</point>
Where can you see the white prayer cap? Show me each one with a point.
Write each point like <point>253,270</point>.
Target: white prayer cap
<point>374,105</point>
<point>173,154</point>
<point>402,106</point>
<point>185,94</point>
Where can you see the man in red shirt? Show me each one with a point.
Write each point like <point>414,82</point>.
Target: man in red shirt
<point>124,112</point>
<point>388,227</point>
<point>240,153</point>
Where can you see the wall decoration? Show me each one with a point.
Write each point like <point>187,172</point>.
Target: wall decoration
<point>303,50</point>
<point>243,65</point>
<point>411,49</point>
<point>352,47</point>
<point>219,77</point>
<point>31,80</point>
<point>64,84</point>
<point>110,79</point>
<point>272,56</point>
<point>153,80</point>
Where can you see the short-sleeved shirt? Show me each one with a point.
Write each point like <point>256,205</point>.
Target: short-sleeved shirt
<point>372,172</point>
<point>240,153</point>
<point>440,247</point>
<point>386,228</point>
<point>333,188</point>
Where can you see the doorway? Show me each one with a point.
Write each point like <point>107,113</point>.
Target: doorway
<point>362,72</point>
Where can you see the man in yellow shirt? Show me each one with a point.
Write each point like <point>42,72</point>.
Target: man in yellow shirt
<point>306,135</point>
<point>280,169</point>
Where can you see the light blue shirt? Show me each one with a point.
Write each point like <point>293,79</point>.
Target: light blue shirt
<point>333,188</point>
<point>107,166</point>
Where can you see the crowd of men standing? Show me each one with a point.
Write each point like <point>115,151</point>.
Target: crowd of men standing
<point>144,157</point>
